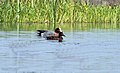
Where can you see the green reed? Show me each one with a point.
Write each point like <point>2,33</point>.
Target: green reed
<point>57,11</point>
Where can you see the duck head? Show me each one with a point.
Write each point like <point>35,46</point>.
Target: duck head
<point>60,36</point>
<point>58,30</point>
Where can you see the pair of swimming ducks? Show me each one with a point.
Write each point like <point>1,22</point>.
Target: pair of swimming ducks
<point>49,35</point>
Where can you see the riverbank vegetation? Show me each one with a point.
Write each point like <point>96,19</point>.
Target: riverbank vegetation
<point>56,11</point>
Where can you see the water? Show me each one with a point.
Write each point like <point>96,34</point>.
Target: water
<point>95,51</point>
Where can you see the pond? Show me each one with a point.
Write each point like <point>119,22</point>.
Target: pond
<point>83,50</point>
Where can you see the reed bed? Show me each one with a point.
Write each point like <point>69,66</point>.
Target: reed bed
<point>56,11</point>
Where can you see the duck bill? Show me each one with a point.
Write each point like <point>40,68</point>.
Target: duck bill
<point>63,35</point>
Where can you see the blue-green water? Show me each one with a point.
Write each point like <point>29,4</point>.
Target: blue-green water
<point>94,51</point>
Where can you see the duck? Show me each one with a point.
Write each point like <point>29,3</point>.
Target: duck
<point>50,35</point>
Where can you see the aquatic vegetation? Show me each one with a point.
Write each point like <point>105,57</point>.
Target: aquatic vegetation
<point>56,11</point>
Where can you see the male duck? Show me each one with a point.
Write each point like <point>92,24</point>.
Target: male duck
<point>49,35</point>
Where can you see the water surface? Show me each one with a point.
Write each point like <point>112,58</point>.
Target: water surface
<point>93,51</point>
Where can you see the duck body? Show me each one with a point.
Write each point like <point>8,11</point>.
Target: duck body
<point>45,33</point>
<point>49,35</point>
